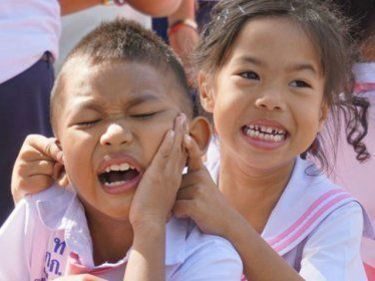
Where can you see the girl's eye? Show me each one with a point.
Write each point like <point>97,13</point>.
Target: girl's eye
<point>300,84</point>
<point>88,123</point>
<point>250,75</point>
<point>143,115</point>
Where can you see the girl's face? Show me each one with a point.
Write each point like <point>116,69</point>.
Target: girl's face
<point>267,99</point>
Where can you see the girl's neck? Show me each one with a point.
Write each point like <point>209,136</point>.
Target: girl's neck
<point>253,192</point>
<point>111,238</point>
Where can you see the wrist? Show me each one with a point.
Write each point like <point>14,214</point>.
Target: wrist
<point>182,23</point>
<point>148,224</point>
<point>236,227</point>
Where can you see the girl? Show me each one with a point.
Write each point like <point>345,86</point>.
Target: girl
<point>271,72</point>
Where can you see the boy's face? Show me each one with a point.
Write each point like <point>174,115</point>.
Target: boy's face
<point>112,121</point>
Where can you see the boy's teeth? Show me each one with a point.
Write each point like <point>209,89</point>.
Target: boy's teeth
<point>114,183</point>
<point>121,167</point>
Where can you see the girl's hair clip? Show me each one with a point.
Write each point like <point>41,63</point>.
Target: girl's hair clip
<point>241,9</point>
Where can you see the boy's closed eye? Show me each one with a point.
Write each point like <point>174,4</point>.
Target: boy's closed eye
<point>88,123</point>
<point>144,115</point>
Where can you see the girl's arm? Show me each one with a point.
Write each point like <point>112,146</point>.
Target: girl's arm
<point>201,200</point>
<point>39,165</point>
<point>183,36</point>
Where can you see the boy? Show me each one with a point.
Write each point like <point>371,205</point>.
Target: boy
<point>113,108</point>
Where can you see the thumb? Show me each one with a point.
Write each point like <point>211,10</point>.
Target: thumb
<point>194,154</point>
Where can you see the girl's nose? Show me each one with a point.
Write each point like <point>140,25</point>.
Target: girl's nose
<point>116,134</point>
<point>272,101</point>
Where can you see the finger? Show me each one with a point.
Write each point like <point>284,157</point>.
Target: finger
<point>63,179</point>
<point>164,150</point>
<point>45,146</point>
<point>38,167</point>
<point>34,184</point>
<point>180,128</point>
<point>187,193</point>
<point>194,154</point>
<point>183,209</point>
<point>179,155</point>
<point>193,177</point>
<point>52,149</point>
<point>58,170</point>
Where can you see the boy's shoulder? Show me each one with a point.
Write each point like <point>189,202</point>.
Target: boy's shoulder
<point>50,205</point>
<point>191,249</point>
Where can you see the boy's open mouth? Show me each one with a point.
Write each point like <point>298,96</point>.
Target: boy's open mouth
<point>116,175</point>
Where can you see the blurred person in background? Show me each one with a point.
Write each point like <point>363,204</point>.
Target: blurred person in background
<point>359,178</point>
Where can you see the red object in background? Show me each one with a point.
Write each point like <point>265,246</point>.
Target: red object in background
<point>370,271</point>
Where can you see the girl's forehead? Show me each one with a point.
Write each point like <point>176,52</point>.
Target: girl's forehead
<point>274,39</point>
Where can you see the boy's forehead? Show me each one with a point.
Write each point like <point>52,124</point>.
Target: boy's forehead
<point>137,82</point>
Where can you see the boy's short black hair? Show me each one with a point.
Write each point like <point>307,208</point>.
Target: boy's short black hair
<point>126,41</point>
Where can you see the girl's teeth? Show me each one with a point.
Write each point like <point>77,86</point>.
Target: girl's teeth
<point>264,133</point>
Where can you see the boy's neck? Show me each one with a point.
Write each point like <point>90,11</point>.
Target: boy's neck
<point>111,238</point>
<point>252,192</point>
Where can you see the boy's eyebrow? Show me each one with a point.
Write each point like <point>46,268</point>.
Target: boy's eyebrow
<point>97,106</point>
<point>141,99</point>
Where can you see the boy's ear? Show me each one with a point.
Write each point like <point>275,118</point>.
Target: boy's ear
<point>206,92</point>
<point>323,115</point>
<point>200,131</point>
<point>58,143</point>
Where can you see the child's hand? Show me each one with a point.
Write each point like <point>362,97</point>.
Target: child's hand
<point>80,277</point>
<point>200,199</point>
<point>38,166</point>
<point>156,193</point>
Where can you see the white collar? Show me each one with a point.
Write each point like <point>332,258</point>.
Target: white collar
<point>59,209</point>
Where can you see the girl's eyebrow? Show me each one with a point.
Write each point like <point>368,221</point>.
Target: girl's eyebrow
<point>295,67</point>
<point>304,67</point>
<point>248,59</point>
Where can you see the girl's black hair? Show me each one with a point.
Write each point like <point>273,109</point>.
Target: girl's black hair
<point>328,30</point>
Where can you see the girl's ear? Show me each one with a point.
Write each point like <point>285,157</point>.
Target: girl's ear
<point>200,131</point>
<point>323,115</point>
<point>205,92</point>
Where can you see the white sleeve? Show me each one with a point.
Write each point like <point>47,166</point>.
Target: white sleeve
<point>14,258</point>
<point>216,260</point>
<point>332,251</point>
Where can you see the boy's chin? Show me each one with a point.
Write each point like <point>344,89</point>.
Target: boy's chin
<point>107,213</point>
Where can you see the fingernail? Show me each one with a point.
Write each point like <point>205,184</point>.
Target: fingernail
<point>182,119</point>
<point>171,134</point>
<point>188,138</point>
<point>60,157</point>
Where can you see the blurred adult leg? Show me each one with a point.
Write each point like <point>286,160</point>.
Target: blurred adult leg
<point>24,109</point>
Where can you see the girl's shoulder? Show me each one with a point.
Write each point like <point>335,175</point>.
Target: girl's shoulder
<point>307,201</point>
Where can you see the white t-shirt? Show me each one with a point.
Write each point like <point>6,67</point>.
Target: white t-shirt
<point>28,28</point>
<point>315,226</point>
<point>47,236</point>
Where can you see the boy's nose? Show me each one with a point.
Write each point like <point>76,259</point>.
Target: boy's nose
<point>270,101</point>
<point>116,134</point>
